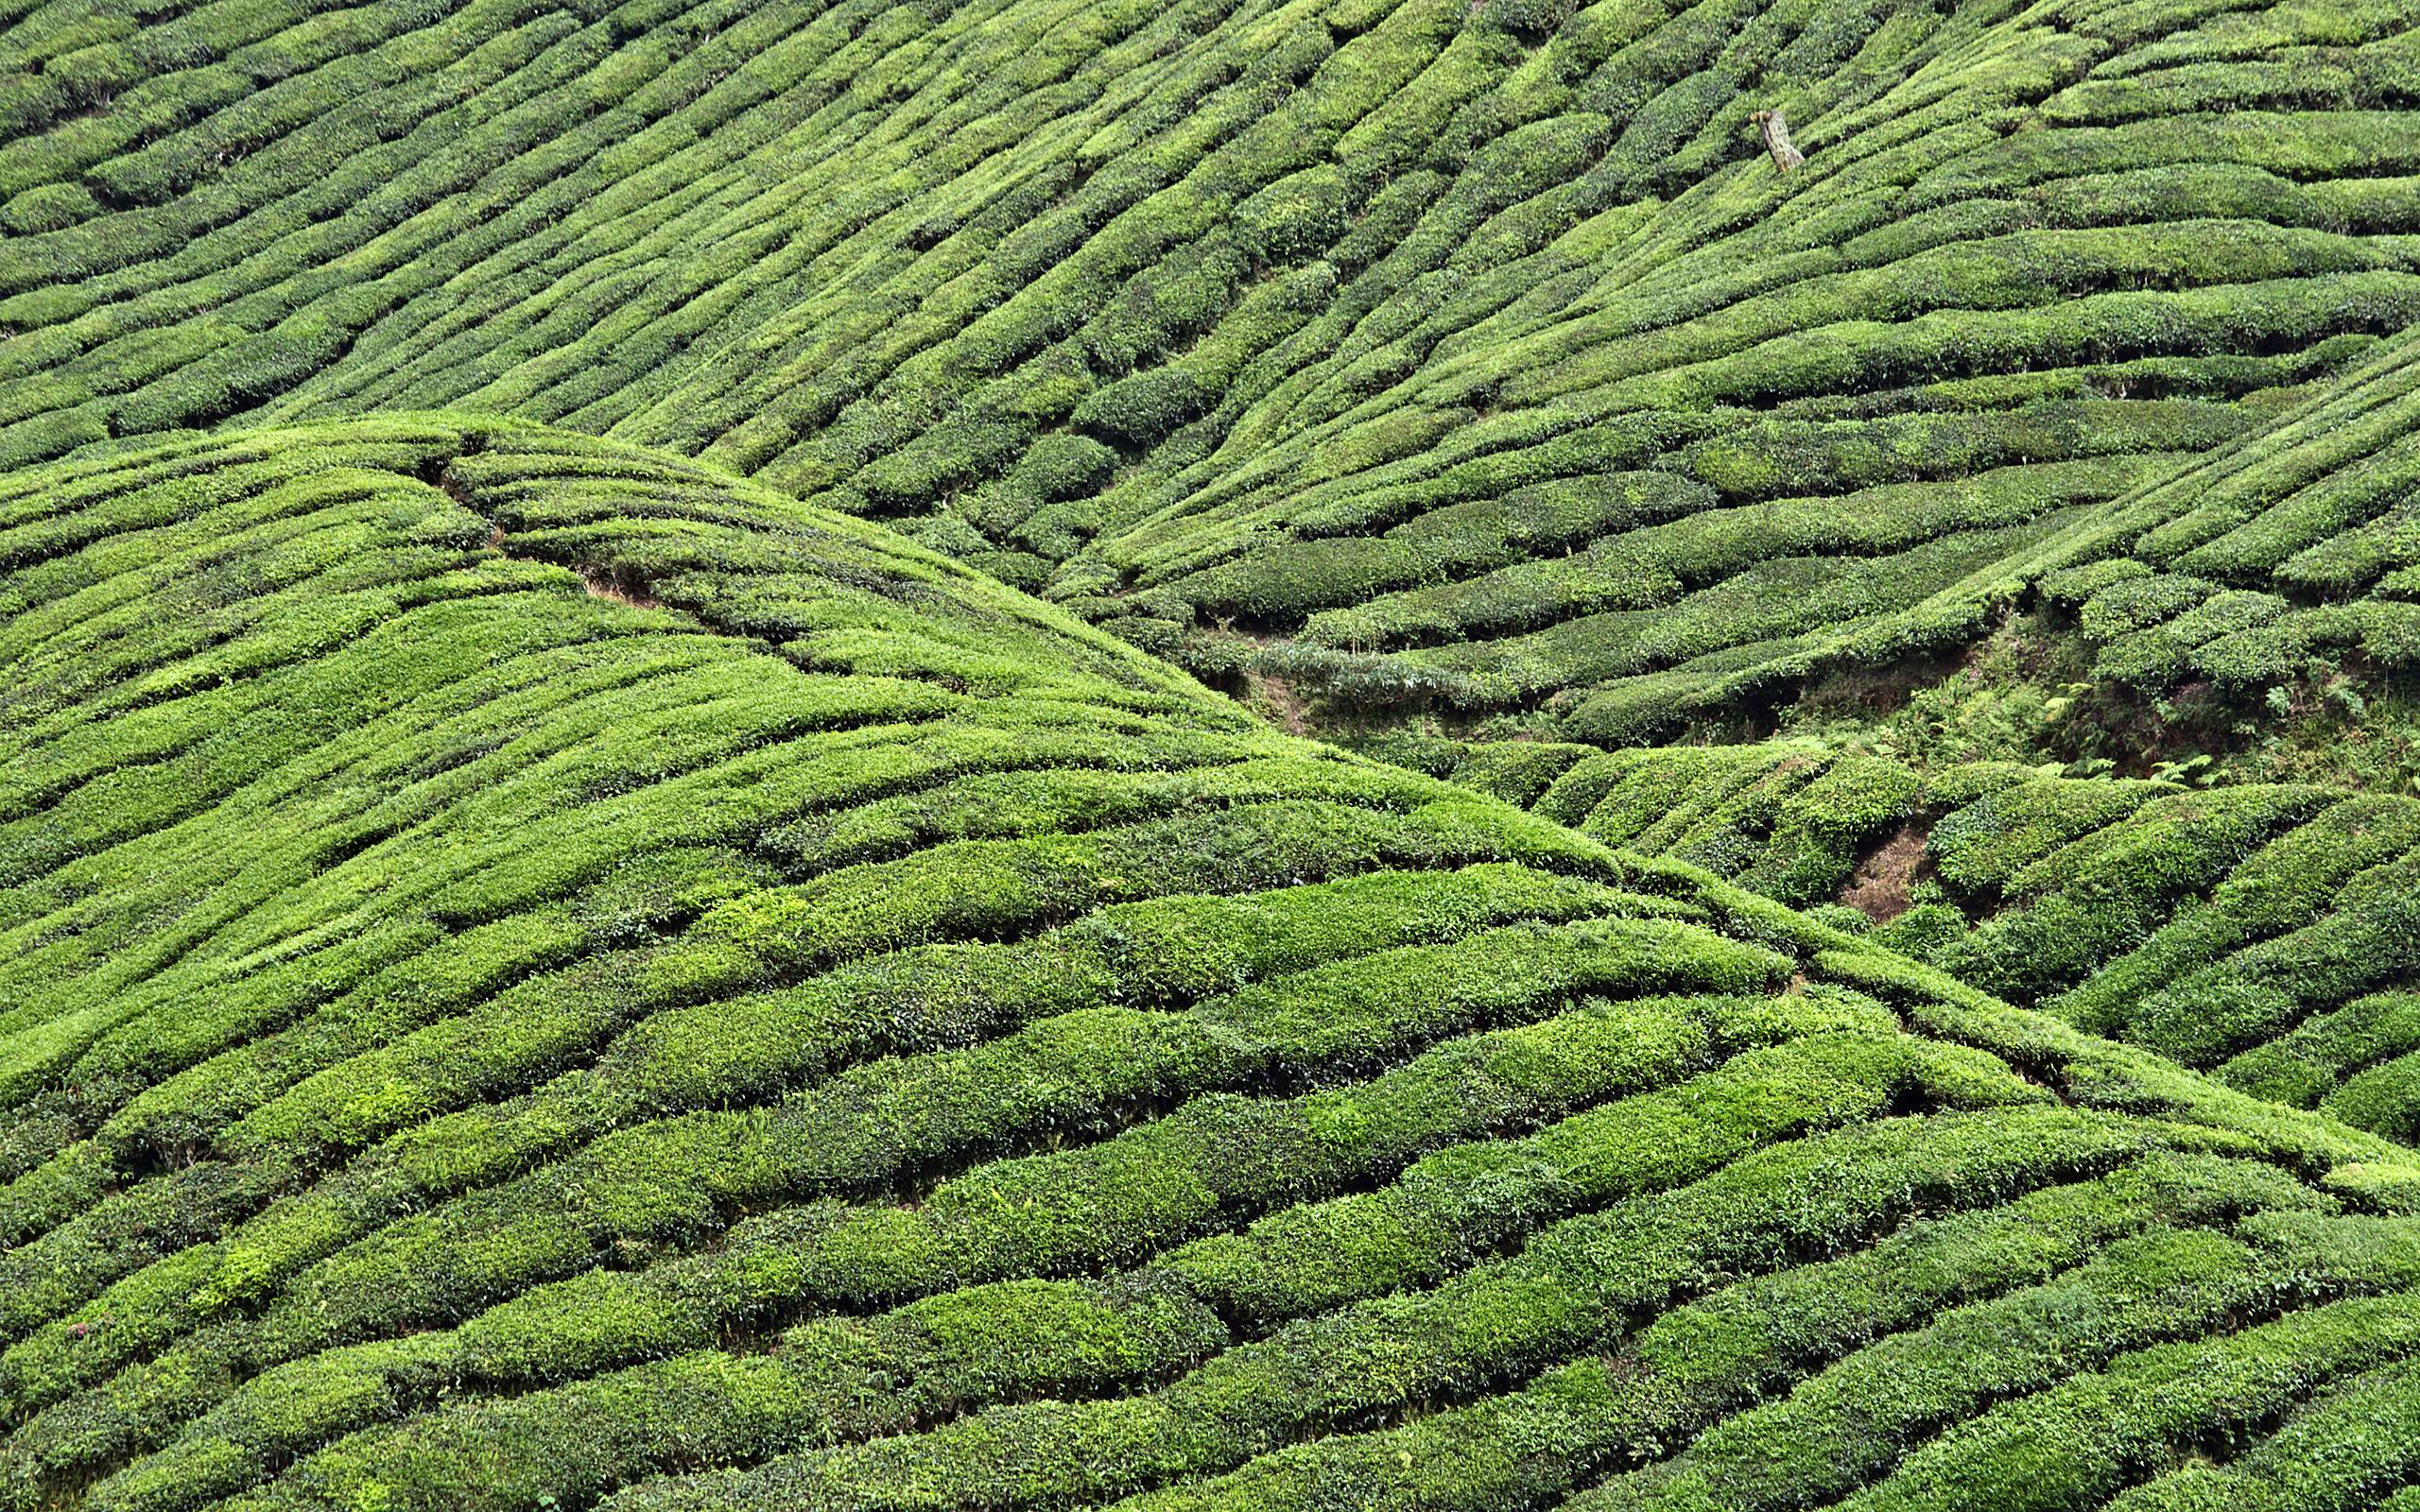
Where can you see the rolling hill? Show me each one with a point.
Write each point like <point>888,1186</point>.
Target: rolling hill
<point>661,841</point>
<point>1473,353</point>
<point>567,966</point>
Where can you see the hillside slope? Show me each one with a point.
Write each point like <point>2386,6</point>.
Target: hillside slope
<point>1474,352</point>
<point>539,974</point>
<point>2288,550</point>
<point>2265,931</point>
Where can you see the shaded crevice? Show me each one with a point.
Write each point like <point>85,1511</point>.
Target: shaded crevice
<point>1882,887</point>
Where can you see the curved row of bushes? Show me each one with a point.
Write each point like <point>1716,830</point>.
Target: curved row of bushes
<point>541,975</point>
<point>2261,931</point>
<point>1323,320</point>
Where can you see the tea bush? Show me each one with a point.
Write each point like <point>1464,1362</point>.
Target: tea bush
<point>627,877</point>
<point>1452,336</point>
<point>545,973</point>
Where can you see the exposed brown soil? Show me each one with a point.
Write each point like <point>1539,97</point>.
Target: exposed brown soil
<point>599,583</point>
<point>1883,884</point>
<point>601,586</point>
<point>1287,706</point>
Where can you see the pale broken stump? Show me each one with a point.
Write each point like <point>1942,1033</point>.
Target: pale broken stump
<point>1776,133</point>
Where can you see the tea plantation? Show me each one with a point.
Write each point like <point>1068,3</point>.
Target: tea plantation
<point>536,967</point>
<point>1467,354</point>
<point>2259,931</point>
<point>851,754</point>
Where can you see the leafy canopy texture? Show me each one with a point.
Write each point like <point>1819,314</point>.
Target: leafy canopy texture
<point>535,967</point>
<point>1468,354</point>
<point>2263,930</point>
<point>629,878</point>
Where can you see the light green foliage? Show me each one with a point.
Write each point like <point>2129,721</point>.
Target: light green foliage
<point>2247,929</point>
<point>628,881</point>
<point>561,966</point>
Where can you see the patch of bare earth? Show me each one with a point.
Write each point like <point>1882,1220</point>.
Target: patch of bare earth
<point>599,583</point>
<point>1283,703</point>
<point>601,586</point>
<point>1884,883</point>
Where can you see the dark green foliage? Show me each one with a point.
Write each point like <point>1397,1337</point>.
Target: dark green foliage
<point>1420,331</point>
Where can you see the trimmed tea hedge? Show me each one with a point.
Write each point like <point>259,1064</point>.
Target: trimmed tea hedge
<point>2263,931</point>
<point>541,975</point>
<point>1474,352</point>
<point>629,878</point>
<point>2279,561</point>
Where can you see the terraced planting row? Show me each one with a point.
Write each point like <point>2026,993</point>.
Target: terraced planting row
<point>2263,931</point>
<point>1778,421</point>
<point>2283,561</point>
<point>1466,356</point>
<point>541,975</point>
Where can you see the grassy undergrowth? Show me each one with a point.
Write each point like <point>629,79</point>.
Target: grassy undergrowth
<point>2031,692</point>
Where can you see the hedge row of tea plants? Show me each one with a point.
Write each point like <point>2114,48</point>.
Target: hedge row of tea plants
<point>2279,567</point>
<point>541,973</point>
<point>627,880</point>
<point>2260,930</point>
<point>1475,355</point>
<point>1809,419</point>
